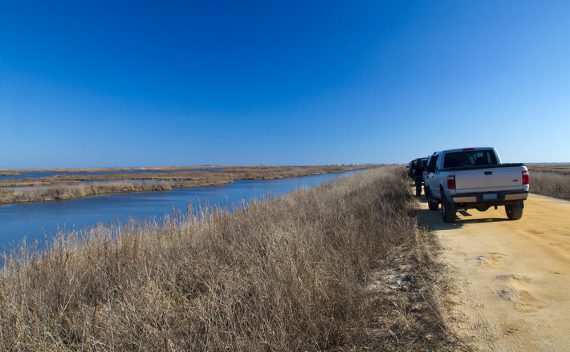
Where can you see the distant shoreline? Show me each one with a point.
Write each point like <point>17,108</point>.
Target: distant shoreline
<point>162,168</point>
<point>73,186</point>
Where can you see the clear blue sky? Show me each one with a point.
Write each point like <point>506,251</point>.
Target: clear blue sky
<point>112,83</point>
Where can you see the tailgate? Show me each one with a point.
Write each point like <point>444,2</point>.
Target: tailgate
<point>489,180</point>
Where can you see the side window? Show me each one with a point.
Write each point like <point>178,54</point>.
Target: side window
<point>432,163</point>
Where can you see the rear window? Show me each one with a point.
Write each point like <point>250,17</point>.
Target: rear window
<point>470,158</point>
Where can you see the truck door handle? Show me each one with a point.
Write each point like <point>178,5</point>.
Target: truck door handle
<point>488,172</point>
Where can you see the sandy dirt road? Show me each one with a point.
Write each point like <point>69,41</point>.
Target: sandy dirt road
<point>513,277</point>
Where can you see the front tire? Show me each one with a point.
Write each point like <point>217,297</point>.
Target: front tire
<point>514,211</point>
<point>448,210</point>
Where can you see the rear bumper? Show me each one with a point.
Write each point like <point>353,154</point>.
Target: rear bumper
<point>487,198</point>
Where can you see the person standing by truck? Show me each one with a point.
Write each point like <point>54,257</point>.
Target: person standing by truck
<point>417,167</point>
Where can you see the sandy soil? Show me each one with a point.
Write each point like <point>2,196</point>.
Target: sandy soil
<point>513,277</point>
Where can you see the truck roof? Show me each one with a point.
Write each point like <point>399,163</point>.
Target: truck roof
<point>465,149</point>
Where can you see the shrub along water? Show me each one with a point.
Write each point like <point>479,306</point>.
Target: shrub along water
<point>340,266</point>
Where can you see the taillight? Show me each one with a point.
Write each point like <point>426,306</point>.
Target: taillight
<point>525,177</point>
<point>450,182</point>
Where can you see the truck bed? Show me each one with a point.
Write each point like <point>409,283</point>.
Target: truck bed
<point>481,167</point>
<point>489,179</point>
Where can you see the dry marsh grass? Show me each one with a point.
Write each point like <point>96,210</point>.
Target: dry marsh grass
<point>343,266</point>
<point>550,184</point>
<point>550,179</point>
<point>559,168</point>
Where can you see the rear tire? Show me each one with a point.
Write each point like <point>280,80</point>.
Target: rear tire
<point>432,203</point>
<point>514,211</point>
<point>448,210</point>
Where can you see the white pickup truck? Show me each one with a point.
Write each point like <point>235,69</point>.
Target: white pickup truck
<point>474,178</point>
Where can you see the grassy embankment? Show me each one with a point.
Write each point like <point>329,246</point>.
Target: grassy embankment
<point>551,180</point>
<point>340,266</point>
<point>63,187</point>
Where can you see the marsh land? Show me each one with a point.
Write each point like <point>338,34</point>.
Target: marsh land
<point>344,265</point>
<point>353,264</point>
<point>551,179</point>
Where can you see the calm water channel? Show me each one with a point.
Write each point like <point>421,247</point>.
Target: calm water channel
<point>33,221</point>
